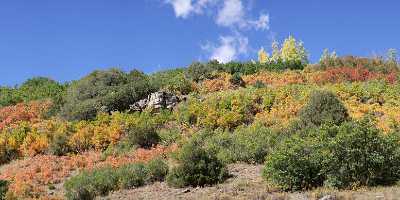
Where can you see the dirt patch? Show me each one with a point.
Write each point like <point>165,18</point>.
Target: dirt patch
<point>247,183</point>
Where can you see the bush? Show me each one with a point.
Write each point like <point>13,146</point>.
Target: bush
<point>360,155</point>
<point>169,136</point>
<point>236,79</point>
<point>350,155</point>
<point>144,136</point>
<point>59,145</point>
<point>172,80</point>
<point>196,167</point>
<point>158,169</point>
<point>248,144</point>
<point>132,175</point>
<point>198,72</point>
<point>323,107</point>
<point>295,165</point>
<point>88,185</point>
<point>38,88</point>
<point>105,91</point>
<point>3,189</point>
<point>99,182</point>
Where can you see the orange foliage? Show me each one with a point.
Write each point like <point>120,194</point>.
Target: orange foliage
<point>218,84</point>
<point>30,112</point>
<point>32,176</point>
<point>353,74</point>
<point>276,78</point>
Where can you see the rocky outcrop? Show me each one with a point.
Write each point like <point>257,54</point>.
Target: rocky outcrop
<point>156,100</point>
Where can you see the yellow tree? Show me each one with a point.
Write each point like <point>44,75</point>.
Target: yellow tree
<point>276,52</point>
<point>289,50</point>
<point>263,56</point>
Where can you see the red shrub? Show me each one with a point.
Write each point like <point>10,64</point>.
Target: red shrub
<point>30,112</point>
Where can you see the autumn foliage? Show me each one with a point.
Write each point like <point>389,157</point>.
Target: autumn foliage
<point>31,112</point>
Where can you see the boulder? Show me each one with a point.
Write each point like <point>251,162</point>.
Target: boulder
<point>156,101</point>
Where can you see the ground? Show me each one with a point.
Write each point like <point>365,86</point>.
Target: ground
<point>246,183</point>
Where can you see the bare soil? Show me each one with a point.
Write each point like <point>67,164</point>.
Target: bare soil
<point>246,183</point>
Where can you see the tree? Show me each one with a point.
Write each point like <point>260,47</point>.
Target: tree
<point>276,52</point>
<point>293,51</point>
<point>392,56</point>
<point>263,56</point>
<point>105,91</point>
<point>198,72</point>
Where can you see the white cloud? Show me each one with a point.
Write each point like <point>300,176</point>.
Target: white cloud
<point>262,23</point>
<point>229,48</point>
<point>182,8</point>
<point>228,13</point>
<point>232,13</point>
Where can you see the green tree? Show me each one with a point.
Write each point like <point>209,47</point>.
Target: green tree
<point>105,91</point>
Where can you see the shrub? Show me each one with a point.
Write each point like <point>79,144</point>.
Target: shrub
<point>198,72</point>
<point>88,185</point>
<point>236,79</point>
<point>169,136</point>
<point>323,107</point>
<point>173,81</point>
<point>59,145</point>
<point>295,165</point>
<point>350,155</point>
<point>196,167</point>
<point>132,175</point>
<point>3,189</point>
<point>360,155</point>
<point>38,88</point>
<point>259,84</point>
<point>144,135</point>
<point>99,182</point>
<point>248,144</point>
<point>106,91</point>
<point>158,169</point>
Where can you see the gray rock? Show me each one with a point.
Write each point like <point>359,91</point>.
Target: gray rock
<point>156,101</point>
<point>328,197</point>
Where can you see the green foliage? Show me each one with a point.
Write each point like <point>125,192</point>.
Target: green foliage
<point>105,91</point>
<point>198,72</point>
<point>37,88</point>
<point>248,144</point>
<point>132,175</point>
<point>196,167</point>
<point>99,182</point>
<point>158,169</point>
<point>323,107</point>
<point>259,84</point>
<point>3,189</point>
<point>349,155</point>
<point>295,165</point>
<point>172,80</point>
<point>169,136</point>
<point>88,185</point>
<point>143,134</point>
<point>122,147</point>
<point>360,155</point>
<point>236,79</point>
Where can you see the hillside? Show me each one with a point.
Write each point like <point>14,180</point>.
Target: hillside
<point>272,129</point>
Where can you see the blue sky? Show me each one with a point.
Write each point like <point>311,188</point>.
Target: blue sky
<point>67,39</point>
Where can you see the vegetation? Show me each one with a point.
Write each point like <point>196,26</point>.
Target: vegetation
<point>3,189</point>
<point>196,167</point>
<point>334,124</point>
<point>99,182</point>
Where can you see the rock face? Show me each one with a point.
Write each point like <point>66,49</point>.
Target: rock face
<point>156,100</point>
